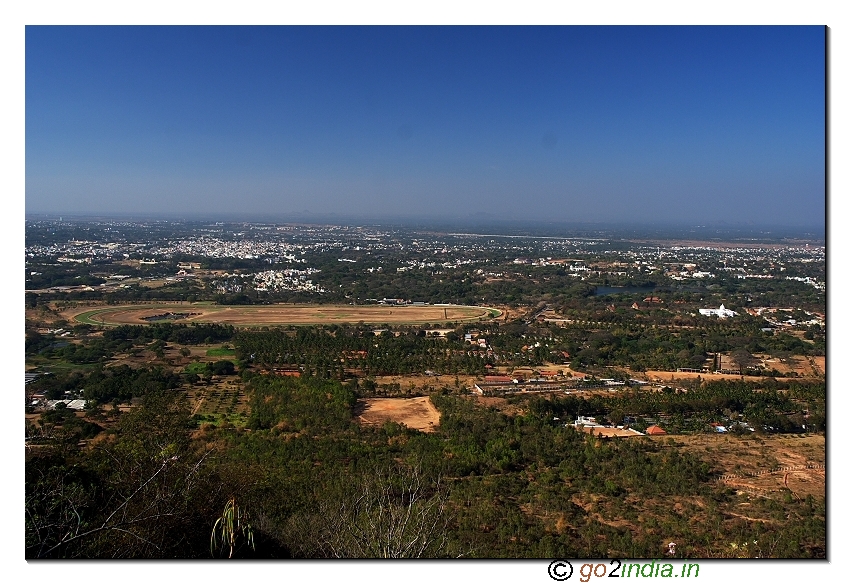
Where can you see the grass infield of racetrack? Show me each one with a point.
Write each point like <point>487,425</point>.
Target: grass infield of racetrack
<point>281,315</point>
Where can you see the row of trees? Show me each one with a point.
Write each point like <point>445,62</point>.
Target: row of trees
<point>768,407</point>
<point>172,332</point>
<point>104,385</point>
<point>334,353</point>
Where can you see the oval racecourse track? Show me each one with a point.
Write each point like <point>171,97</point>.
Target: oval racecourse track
<point>279,314</point>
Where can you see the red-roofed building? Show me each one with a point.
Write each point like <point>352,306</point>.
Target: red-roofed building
<point>655,430</point>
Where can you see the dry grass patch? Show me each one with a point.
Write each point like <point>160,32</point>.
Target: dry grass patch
<point>750,455</point>
<point>281,314</point>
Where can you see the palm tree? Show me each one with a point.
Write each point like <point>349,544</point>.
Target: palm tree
<point>231,527</point>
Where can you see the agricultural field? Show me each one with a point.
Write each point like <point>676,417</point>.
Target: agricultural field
<point>803,366</point>
<point>222,401</point>
<point>272,315</point>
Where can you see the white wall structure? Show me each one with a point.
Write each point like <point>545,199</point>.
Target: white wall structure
<point>721,312</point>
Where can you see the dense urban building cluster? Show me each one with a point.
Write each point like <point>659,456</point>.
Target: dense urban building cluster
<point>347,260</point>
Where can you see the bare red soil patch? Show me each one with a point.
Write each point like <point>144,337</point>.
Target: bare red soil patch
<point>417,413</point>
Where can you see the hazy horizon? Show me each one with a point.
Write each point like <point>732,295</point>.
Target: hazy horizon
<point>479,225</point>
<point>557,125</point>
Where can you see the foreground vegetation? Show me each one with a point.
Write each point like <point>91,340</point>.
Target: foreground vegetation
<point>306,480</point>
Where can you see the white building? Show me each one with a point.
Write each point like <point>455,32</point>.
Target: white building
<point>721,312</point>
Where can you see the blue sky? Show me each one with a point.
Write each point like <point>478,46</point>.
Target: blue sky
<point>672,124</point>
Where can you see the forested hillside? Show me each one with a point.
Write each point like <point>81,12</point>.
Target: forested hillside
<point>309,481</point>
